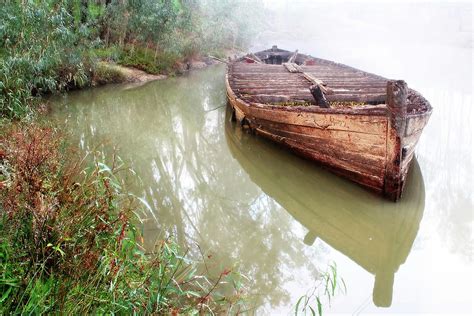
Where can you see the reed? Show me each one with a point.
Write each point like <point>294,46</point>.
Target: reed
<point>315,300</point>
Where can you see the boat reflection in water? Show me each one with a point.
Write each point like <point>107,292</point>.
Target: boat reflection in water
<point>376,234</point>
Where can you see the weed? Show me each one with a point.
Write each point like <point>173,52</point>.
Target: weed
<point>325,291</point>
<point>148,60</point>
<point>346,104</point>
<point>107,73</point>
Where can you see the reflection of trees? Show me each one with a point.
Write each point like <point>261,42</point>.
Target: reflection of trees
<point>178,149</point>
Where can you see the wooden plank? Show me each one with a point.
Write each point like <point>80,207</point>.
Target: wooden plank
<point>376,144</point>
<point>283,88</point>
<point>360,161</point>
<point>341,167</point>
<point>293,57</point>
<point>255,57</point>
<point>358,124</point>
<point>361,85</point>
<point>416,124</point>
<point>291,67</point>
<point>337,145</point>
<point>397,92</point>
<point>311,78</point>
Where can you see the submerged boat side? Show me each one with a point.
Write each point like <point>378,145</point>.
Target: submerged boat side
<point>371,144</point>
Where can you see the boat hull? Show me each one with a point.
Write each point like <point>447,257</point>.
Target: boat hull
<point>363,146</point>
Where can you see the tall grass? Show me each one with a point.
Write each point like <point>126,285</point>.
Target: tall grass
<point>69,241</point>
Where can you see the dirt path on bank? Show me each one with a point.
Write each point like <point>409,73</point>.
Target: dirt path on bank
<point>137,75</point>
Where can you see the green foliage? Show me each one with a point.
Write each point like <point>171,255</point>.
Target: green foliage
<point>69,243</point>
<point>107,73</point>
<point>110,53</point>
<point>228,24</point>
<point>50,46</point>
<point>15,87</point>
<point>42,52</point>
<point>184,28</point>
<point>148,60</point>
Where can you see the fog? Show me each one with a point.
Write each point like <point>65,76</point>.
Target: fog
<point>431,39</point>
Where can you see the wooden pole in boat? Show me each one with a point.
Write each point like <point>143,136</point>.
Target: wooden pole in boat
<point>253,56</point>
<point>397,92</point>
<point>293,57</point>
<point>318,95</point>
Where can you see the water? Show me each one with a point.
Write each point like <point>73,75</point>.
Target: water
<point>283,219</point>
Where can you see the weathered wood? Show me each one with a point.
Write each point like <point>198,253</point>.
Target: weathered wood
<point>369,143</point>
<point>311,78</point>
<point>255,57</point>
<point>369,140</point>
<point>336,165</point>
<point>397,92</point>
<point>292,67</point>
<point>293,57</point>
<point>356,124</point>
<point>364,160</point>
<point>249,59</point>
<point>318,95</point>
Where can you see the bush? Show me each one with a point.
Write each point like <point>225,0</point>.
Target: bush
<point>107,73</point>
<point>42,51</point>
<point>148,60</point>
<point>111,53</point>
<point>68,242</point>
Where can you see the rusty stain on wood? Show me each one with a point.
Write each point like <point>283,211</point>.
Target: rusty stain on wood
<point>369,137</point>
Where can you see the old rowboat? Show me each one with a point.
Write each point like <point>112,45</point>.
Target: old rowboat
<point>359,125</point>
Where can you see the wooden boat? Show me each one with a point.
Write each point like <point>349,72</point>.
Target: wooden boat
<point>375,234</point>
<point>359,125</point>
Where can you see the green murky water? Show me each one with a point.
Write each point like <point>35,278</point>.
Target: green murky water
<point>280,217</point>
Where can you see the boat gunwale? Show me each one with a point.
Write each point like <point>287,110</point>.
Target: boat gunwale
<point>421,109</point>
<point>368,110</point>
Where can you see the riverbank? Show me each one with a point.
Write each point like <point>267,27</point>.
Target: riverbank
<point>130,74</point>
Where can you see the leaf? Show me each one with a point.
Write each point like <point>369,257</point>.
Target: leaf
<point>297,305</point>
<point>6,294</point>
<point>320,306</point>
<point>104,168</point>
<point>345,287</point>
